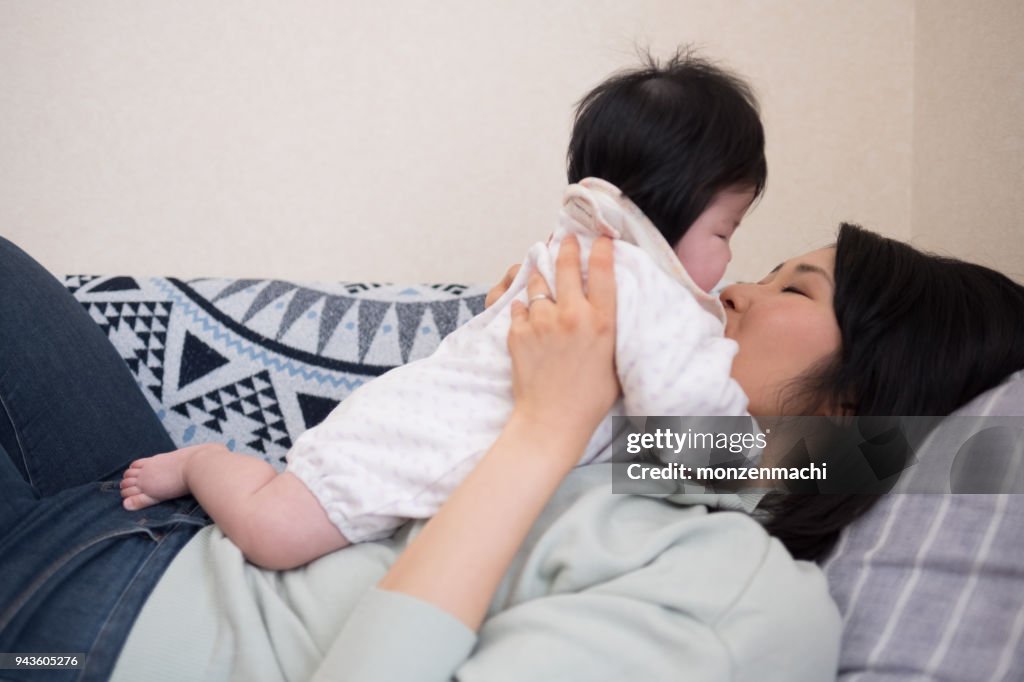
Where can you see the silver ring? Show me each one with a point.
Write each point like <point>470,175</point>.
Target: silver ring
<point>539,297</point>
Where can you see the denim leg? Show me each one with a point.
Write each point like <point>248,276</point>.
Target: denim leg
<point>77,568</point>
<point>16,495</point>
<point>70,410</point>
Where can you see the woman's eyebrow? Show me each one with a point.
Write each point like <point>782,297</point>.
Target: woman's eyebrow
<point>807,268</point>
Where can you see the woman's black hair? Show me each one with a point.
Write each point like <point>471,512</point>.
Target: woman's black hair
<point>670,137</point>
<point>921,336</point>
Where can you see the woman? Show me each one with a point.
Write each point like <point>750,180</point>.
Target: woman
<point>531,570</point>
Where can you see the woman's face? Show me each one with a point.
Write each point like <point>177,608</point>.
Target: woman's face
<point>784,325</point>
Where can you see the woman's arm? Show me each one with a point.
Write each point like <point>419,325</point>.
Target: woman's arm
<point>437,592</point>
<point>564,383</point>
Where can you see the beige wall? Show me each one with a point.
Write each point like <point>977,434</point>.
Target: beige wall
<point>424,141</point>
<point>968,172</point>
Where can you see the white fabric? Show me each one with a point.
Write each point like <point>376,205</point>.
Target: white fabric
<point>398,446</point>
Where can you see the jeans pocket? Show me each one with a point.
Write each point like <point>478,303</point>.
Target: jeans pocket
<point>180,510</point>
<point>107,486</point>
<point>86,598</point>
<point>42,575</point>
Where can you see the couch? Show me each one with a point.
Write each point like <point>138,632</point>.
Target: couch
<point>931,587</point>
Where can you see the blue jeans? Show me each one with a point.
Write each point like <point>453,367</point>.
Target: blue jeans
<point>75,566</point>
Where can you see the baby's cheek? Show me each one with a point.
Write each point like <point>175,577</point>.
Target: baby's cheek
<point>701,278</point>
<point>716,265</point>
<point>707,273</point>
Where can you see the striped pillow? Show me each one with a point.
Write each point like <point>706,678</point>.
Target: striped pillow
<point>932,586</point>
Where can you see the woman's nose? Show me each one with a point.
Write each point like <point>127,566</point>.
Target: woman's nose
<point>735,296</point>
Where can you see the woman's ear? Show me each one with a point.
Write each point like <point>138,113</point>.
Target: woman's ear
<point>840,409</point>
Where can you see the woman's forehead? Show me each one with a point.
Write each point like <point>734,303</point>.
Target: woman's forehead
<point>823,259</point>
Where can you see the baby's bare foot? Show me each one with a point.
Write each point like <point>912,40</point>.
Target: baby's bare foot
<point>153,479</point>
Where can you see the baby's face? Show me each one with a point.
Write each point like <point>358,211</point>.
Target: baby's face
<point>704,250</point>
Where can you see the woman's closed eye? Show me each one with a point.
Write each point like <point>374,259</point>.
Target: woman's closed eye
<point>792,290</point>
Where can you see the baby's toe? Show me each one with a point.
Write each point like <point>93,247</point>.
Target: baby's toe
<point>138,500</point>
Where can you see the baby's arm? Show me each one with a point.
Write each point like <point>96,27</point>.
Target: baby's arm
<point>273,518</point>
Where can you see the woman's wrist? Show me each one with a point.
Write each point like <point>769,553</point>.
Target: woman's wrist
<point>555,434</point>
<point>458,559</point>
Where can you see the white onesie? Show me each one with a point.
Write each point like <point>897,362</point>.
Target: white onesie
<point>398,446</point>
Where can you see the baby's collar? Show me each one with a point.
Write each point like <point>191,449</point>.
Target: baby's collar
<point>641,232</point>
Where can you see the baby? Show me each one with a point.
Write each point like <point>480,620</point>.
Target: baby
<point>684,143</point>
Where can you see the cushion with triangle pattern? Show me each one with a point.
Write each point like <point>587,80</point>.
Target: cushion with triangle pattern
<point>252,363</point>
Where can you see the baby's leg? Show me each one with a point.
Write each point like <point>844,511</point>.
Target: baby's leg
<point>273,518</point>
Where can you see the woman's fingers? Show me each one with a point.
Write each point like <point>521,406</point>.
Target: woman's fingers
<point>568,277</point>
<point>564,353</point>
<point>601,280</point>
<point>520,316</point>
<point>539,299</point>
<point>569,283</point>
<point>501,287</point>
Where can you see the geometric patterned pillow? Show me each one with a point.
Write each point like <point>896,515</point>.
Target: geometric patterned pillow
<point>252,363</point>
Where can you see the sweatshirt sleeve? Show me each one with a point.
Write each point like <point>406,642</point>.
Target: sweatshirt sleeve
<point>725,604</point>
<point>672,355</point>
<point>720,601</point>
<point>596,635</point>
<point>393,636</point>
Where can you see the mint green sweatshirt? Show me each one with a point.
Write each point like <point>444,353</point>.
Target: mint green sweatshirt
<point>606,586</point>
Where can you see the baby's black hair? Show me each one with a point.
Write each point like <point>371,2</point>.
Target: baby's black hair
<point>670,137</point>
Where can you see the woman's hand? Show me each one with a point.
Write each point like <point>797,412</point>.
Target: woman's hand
<point>564,382</point>
<point>563,351</point>
<point>501,287</point>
